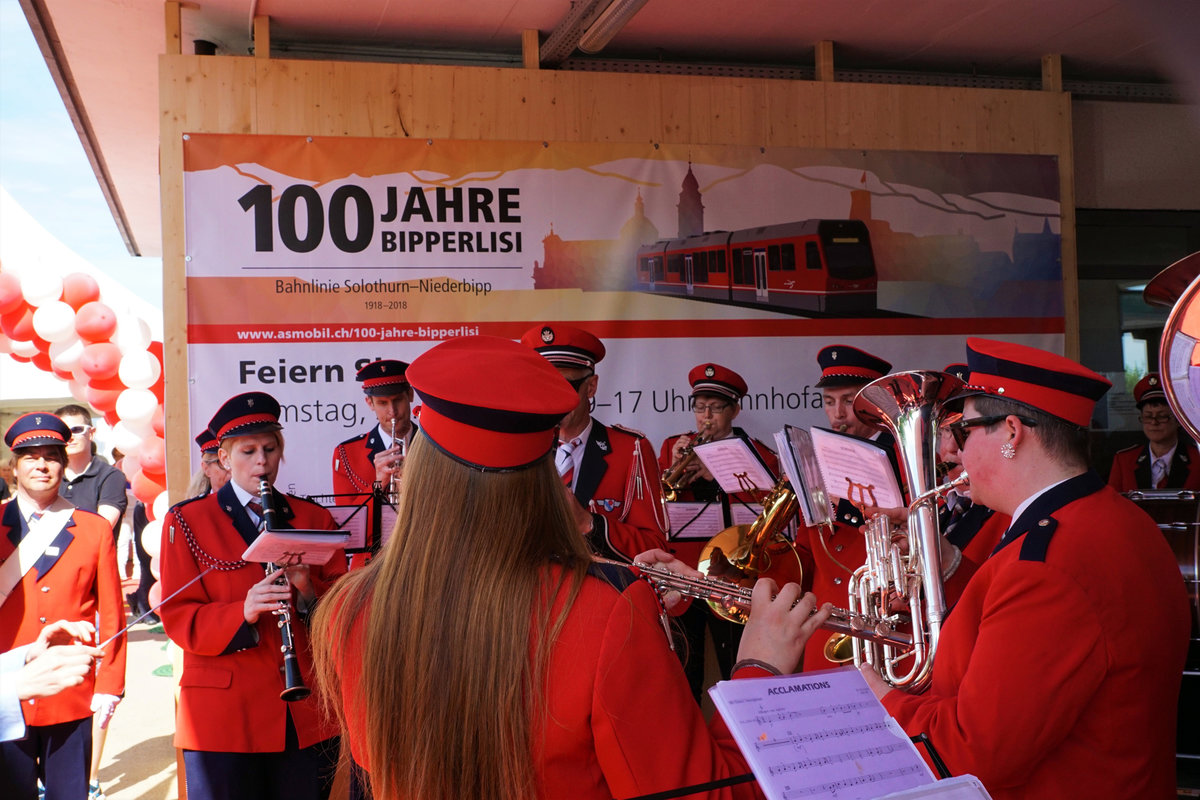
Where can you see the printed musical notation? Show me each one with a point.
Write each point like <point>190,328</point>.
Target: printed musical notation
<point>819,734</point>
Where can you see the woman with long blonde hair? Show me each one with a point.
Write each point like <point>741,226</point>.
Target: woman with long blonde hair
<point>484,654</point>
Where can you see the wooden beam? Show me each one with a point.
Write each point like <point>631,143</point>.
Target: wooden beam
<point>1052,80</point>
<point>824,58</point>
<point>530,52</point>
<point>174,28</point>
<point>262,37</point>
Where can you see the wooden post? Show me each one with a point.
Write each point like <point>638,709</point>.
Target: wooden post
<point>1052,80</point>
<point>824,58</point>
<point>174,28</point>
<point>530,49</point>
<point>262,37</point>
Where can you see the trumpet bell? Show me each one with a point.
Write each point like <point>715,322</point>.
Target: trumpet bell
<point>724,554</point>
<point>839,648</point>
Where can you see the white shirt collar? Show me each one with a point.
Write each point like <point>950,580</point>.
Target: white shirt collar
<point>243,496</point>
<point>1028,501</point>
<point>27,507</point>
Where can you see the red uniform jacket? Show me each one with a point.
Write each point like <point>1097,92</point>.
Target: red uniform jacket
<point>354,464</point>
<point>78,583</point>
<point>1059,668</point>
<point>688,550</point>
<point>620,720</point>
<point>617,484</point>
<point>232,671</point>
<point>1131,468</point>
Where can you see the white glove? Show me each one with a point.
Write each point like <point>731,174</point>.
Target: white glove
<point>103,706</point>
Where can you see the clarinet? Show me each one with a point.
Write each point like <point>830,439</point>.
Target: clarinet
<point>293,682</point>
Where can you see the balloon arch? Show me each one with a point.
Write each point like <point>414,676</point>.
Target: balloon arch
<point>61,325</point>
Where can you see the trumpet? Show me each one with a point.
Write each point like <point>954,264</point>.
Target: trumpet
<point>293,681</point>
<point>393,493</point>
<point>736,599</point>
<point>673,478</point>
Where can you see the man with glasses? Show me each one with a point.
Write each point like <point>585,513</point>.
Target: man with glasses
<point>89,482</point>
<point>716,395</point>
<point>1058,671</point>
<point>1165,460</point>
<point>607,469</point>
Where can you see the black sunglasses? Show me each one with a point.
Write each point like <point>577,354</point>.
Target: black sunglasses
<point>576,383</point>
<point>962,429</point>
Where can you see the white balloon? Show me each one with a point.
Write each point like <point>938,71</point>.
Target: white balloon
<point>65,355</point>
<point>5,344</point>
<point>41,286</point>
<point>78,390</point>
<point>24,349</point>
<point>136,407</point>
<point>152,536</point>
<point>125,439</point>
<point>54,321</point>
<point>139,369</point>
<point>162,504</point>
<point>132,335</point>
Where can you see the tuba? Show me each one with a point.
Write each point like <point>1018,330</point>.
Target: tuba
<point>911,406</point>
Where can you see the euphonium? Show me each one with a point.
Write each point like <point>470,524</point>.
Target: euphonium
<point>673,478</point>
<point>911,406</point>
<point>750,549</point>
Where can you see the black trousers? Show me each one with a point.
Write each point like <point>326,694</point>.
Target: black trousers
<point>59,755</point>
<point>294,774</point>
<point>726,637</point>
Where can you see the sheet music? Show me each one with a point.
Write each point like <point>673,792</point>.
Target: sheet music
<point>695,520</point>
<point>743,514</point>
<point>735,466</point>
<point>295,546</point>
<point>819,735</point>
<point>804,473</point>
<point>960,787</point>
<point>353,521</point>
<point>387,522</point>
<point>847,460</point>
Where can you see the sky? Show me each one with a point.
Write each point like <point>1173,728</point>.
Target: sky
<point>43,166</point>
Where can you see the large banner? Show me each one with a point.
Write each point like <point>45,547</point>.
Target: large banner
<point>308,257</point>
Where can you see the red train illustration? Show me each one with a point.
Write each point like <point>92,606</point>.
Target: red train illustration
<point>820,265</point>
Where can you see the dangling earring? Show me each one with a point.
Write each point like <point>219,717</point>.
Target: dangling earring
<point>1008,451</point>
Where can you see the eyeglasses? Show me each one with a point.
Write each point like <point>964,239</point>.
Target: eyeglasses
<point>962,429</point>
<point>710,408</point>
<point>79,430</point>
<point>1156,419</point>
<point>577,382</point>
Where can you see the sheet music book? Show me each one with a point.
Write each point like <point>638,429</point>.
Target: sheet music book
<point>960,787</point>
<point>735,465</point>
<point>819,734</point>
<point>295,546</point>
<point>744,514</point>
<point>355,521</point>
<point>800,465</point>
<point>859,467</point>
<point>695,521</point>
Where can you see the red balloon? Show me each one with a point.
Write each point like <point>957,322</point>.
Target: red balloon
<point>41,360</point>
<point>95,322</point>
<point>160,420</point>
<point>22,359</point>
<point>80,288</point>
<point>102,394</point>
<point>154,596</point>
<point>100,360</point>
<point>62,374</point>
<point>111,417</point>
<point>11,295</point>
<point>18,323</point>
<point>146,488</point>
<point>41,344</point>
<point>153,457</point>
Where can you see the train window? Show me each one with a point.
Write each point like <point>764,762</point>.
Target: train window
<point>657,265</point>
<point>812,255</point>
<point>674,263</point>
<point>741,266</point>
<point>720,267</point>
<point>788,254</point>
<point>773,257</point>
<point>700,267</point>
